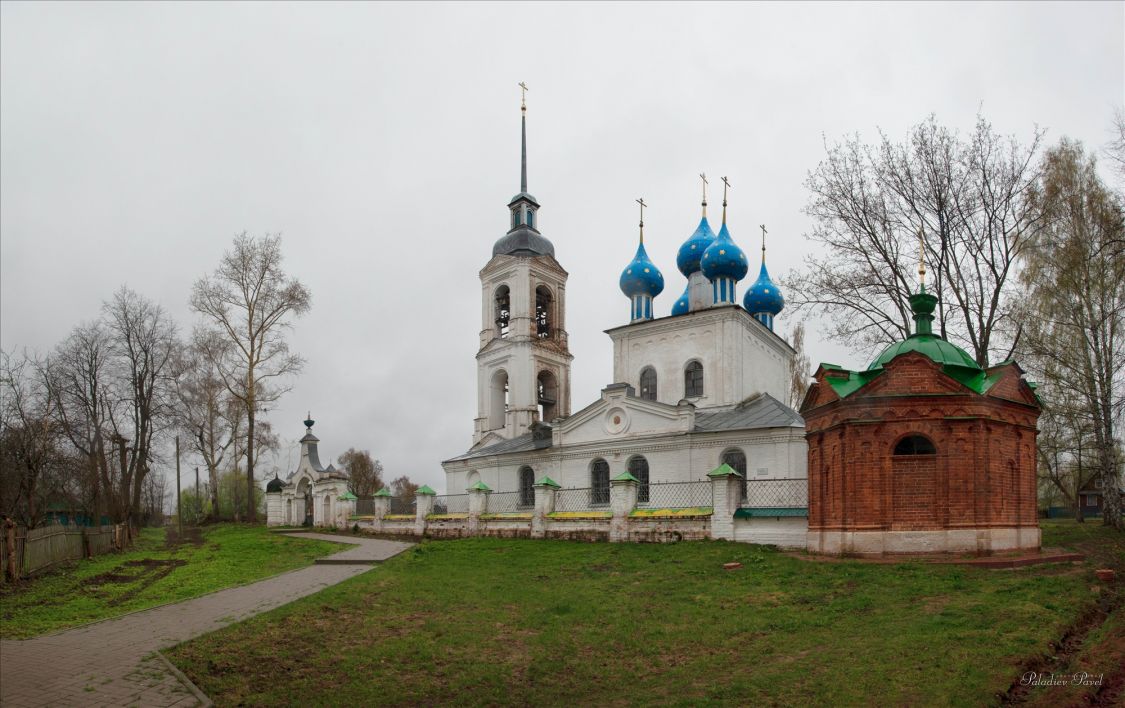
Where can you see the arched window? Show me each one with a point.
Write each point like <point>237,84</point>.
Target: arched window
<point>531,218</point>
<point>737,461</point>
<point>638,467</point>
<point>527,486</point>
<point>498,400</point>
<point>327,520</point>
<point>693,380</point>
<point>515,218</point>
<point>543,317</point>
<point>548,394</point>
<point>915,445</point>
<point>599,481</point>
<point>648,383</point>
<point>503,310</point>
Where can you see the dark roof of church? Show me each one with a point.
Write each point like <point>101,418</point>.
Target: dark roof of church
<point>520,443</point>
<point>762,411</point>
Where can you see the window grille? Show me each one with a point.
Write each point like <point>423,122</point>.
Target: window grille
<point>693,380</point>
<point>599,482</point>
<point>648,384</point>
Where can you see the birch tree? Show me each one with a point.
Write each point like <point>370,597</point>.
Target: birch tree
<point>1075,300</point>
<point>250,301</point>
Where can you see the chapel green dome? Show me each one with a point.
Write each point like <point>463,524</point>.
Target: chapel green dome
<point>924,341</point>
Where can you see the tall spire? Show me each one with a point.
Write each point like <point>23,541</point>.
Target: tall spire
<point>703,176</point>
<point>523,130</point>
<point>763,228</point>
<point>641,201</point>
<point>726,186</point>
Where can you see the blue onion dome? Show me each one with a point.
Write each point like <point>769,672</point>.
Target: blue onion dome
<point>723,258</point>
<point>683,305</point>
<point>763,295</point>
<point>641,276</point>
<point>691,252</point>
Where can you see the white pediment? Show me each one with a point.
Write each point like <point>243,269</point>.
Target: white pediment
<point>619,416</point>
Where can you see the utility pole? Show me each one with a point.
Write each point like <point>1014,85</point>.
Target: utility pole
<point>198,501</point>
<point>179,509</point>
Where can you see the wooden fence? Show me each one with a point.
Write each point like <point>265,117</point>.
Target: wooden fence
<point>25,552</point>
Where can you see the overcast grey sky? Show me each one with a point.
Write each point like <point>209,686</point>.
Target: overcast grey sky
<point>382,141</point>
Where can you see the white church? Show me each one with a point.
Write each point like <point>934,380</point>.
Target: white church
<point>703,386</point>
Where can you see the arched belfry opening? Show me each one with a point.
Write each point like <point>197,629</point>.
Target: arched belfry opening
<point>544,317</point>
<point>547,396</point>
<point>503,310</point>
<point>498,400</point>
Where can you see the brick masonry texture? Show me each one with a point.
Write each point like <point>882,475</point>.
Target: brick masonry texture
<point>983,474</point>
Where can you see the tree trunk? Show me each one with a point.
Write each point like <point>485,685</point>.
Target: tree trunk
<point>250,511</point>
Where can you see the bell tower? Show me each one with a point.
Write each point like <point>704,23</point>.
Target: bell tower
<point>523,365</point>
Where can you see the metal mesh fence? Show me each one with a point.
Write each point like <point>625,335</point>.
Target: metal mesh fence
<point>402,506</point>
<point>776,493</point>
<point>451,504</point>
<point>582,499</point>
<point>675,495</point>
<point>508,502</point>
<point>364,507</point>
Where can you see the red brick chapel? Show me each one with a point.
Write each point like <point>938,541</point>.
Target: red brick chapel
<point>922,452</point>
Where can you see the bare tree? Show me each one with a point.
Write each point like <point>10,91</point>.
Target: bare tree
<point>1075,299</point>
<point>249,300</point>
<point>365,475</point>
<point>78,378</point>
<point>802,369</point>
<point>208,413</point>
<point>1064,447</point>
<point>30,441</point>
<point>968,196</point>
<point>1115,150</point>
<point>144,342</point>
<point>404,489</point>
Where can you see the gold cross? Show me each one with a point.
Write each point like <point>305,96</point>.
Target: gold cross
<point>703,176</point>
<point>921,258</point>
<point>523,96</point>
<point>641,201</point>
<point>763,228</point>
<point>726,186</point>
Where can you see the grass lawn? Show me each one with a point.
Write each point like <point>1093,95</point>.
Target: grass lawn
<point>489,621</point>
<point>152,572</point>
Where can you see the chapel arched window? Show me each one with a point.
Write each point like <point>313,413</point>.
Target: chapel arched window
<point>648,383</point>
<point>693,380</point>
<point>915,445</point>
<point>527,487</point>
<point>548,395</point>
<point>638,467</point>
<point>599,481</point>
<point>737,461</point>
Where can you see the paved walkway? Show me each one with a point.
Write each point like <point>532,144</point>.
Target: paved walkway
<point>112,663</point>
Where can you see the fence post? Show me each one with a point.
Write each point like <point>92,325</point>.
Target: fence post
<point>478,504</point>
<point>622,501</point>
<point>10,542</point>
<point>544,504</point>
<point>424,505</point>
<point>382,503</point>
<point>726,492</point>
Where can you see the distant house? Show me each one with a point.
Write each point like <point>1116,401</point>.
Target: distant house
<point>1091,497</point>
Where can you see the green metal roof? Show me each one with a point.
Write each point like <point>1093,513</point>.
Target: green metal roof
<point>384,492</point>
<point>770,511</point>
<point>348,496</point>
<point>932,346</point>
<point>548,482</point>
<point>480,487</point>
<point>625,477</point>
<point>425,489</point>
<point>723,470</point>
